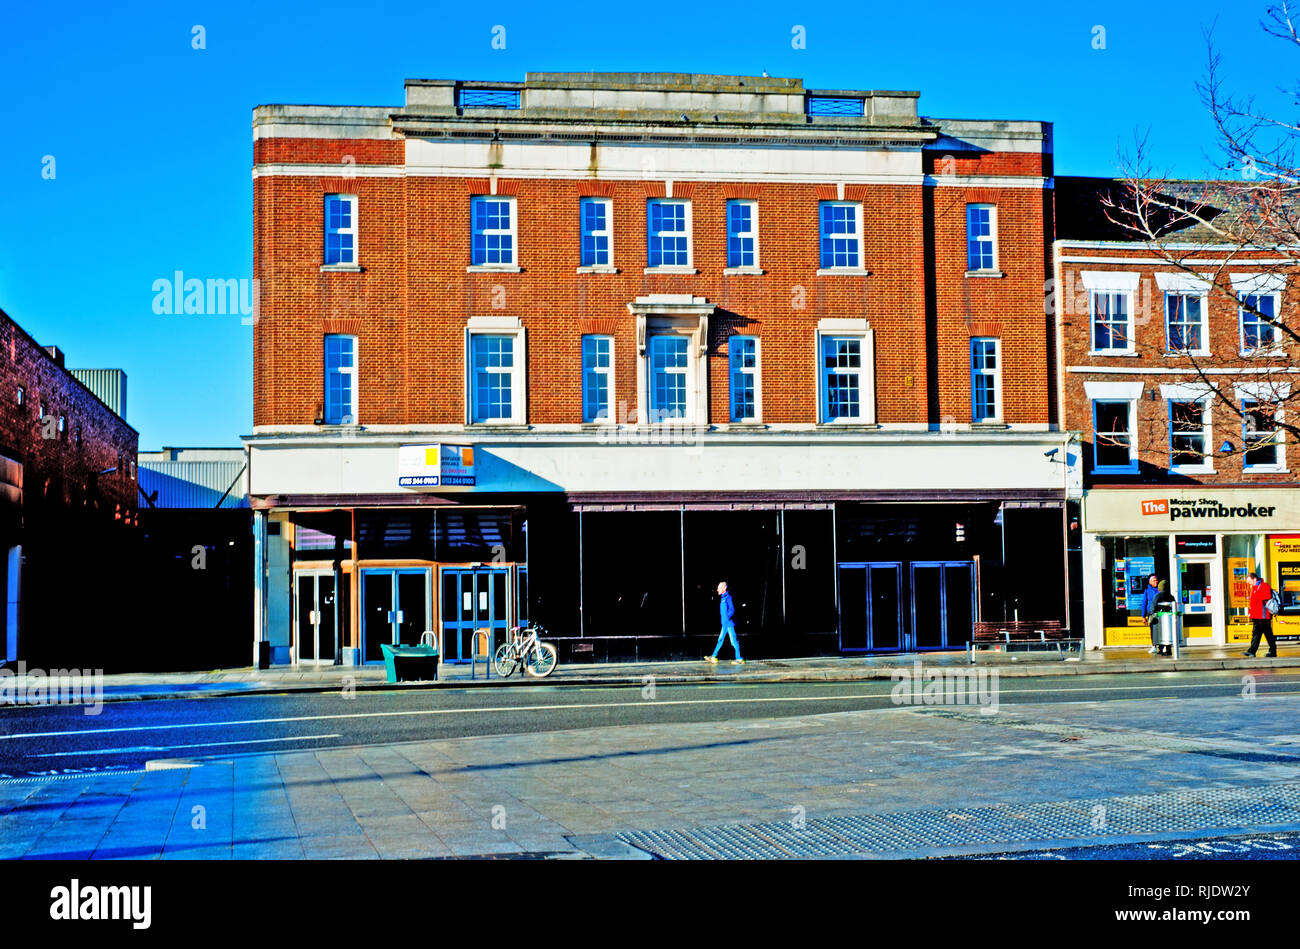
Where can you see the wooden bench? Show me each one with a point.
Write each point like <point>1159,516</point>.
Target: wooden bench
<point>1027,633</point>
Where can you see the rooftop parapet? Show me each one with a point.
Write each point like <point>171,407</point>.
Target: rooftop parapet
<point>660,97</point>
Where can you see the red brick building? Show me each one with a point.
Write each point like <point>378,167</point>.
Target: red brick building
<point>67,473</point>
<point>1177,384</point>
<point>576,348</point>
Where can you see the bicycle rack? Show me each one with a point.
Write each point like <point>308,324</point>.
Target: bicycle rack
<point>488,637</point>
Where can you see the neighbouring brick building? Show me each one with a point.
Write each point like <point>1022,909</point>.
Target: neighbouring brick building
<point>1177,383</point>
<point>574,349</point>
<point>67,473</point>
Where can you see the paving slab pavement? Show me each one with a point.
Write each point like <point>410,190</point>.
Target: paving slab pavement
<point>227,682</point>
<point>927,781</point>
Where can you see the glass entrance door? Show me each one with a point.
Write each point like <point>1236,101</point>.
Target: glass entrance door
<point>473,598</point>
<point>394,609</point>
<point>943,604</point>
<point>316,618</point>
<point>1198,597</point>
<point>871,616</point>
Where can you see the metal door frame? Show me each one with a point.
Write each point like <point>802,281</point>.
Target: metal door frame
<point>943,566</point>
<point>897,566</point>
<point>482,570</point>
<point>1219,606</point>
<point>393,573</point>
<point>315,574</point>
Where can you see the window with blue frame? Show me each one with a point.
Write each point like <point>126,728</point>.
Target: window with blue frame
<point>1260,436</point>
<point>742,234</point>
<point>597,377</point>
<point>668,233</point>
<point>1113,424</point>
<point>494,231</point>
<point>1110,321</point>
<point>669,364</point>
<point>1184,323</point>
<point>980,222</point>
<point>340,229</point>
<point>986,401</point>
<point>492,368</point>
<point>1188,434</point>
<point>340,379</point>
<point>595,214</point>
<point>841,234</point>
<point>743,356</point>
<point>841,377</point>
<point>1258,331</point>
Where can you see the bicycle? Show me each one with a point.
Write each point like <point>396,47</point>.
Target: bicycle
<point>525,649</point>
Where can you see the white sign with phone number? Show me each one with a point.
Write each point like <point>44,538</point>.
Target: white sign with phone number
<point>435,466</point>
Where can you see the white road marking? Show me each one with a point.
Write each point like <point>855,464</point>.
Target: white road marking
<point>586,705</point>
<point>201,744</point>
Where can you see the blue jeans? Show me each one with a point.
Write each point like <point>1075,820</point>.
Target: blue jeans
<point>728,630</point>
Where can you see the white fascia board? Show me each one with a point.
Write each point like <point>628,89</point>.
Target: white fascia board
<point>842,324</point>
<point>1113,390</point>
<point>1110,280</point>
<point>1175,245</point>
<point>1263,392</point>
<point>989,181</point>
<point>1258,282</point>
<point>494,323</point>
<point>1211,371</point>
<point>706,464</point>
<point>1186,391</point>
<point>684,162</point>
<point>322,121</point>
<point>1183,282</point>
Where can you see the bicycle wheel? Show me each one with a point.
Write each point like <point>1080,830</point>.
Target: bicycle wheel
<point>540,661</point>
<point>506,661</point>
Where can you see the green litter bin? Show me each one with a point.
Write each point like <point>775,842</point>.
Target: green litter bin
<point>410,663</point>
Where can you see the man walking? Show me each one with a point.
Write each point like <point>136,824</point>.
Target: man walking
<point>728,611</point>
<point>1260,617</point>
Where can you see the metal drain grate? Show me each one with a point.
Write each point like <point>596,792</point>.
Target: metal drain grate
<point>1208,809</point>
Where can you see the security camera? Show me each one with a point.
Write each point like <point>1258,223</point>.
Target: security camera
<point>1051,454</point>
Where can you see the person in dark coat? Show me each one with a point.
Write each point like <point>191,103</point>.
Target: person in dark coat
<point>1162,602</point>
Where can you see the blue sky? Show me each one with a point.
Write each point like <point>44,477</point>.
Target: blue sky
<point>152,145</point>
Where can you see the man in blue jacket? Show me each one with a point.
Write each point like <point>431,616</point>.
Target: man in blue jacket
<point>728,612</point>
<point>1149,605</point>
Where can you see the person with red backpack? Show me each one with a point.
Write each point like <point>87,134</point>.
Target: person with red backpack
<point>1262,608</point>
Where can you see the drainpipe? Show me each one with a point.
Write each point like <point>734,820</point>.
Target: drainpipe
<point>261,645</point>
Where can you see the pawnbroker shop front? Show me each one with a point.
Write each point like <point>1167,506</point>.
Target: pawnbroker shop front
<point>1204,541</point>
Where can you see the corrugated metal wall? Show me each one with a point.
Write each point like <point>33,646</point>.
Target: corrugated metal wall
<point>109,385</point>
<point>193,484</point>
